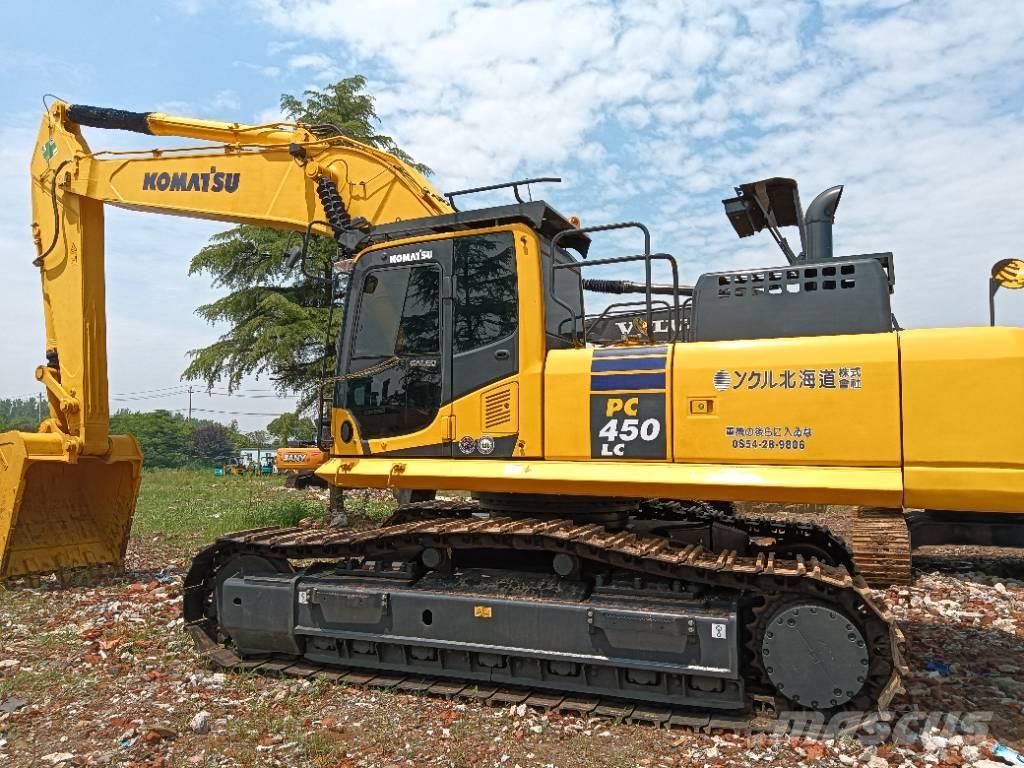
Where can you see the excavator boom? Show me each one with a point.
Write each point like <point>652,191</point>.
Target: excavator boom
<point>68,492</point>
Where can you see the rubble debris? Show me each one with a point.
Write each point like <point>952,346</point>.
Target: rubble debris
<point>12,704</point>
<point>200,723</point>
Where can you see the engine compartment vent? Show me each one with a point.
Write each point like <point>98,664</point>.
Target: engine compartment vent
<point>499,409</point>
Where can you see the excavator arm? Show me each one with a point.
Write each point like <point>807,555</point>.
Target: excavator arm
<point>67,493</point>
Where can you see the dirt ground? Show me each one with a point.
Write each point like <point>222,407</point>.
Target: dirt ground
<point>102,674</point>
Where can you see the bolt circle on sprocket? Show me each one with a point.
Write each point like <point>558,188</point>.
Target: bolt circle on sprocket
<point>814,655</point>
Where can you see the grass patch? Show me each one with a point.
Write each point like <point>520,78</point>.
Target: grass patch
<point>195,502</point>
<point>375,505</point>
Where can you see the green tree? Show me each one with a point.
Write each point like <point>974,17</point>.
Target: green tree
<point>163,436</point>
<point>276,317</point>
<point>211,441</point>
<point>291,426</point>
<point>258,438</point>
<point>22,414</point>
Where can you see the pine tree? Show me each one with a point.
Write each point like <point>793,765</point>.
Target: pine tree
<point>278,317</point>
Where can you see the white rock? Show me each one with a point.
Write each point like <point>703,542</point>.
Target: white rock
<point>1000,588</point>
<point>878,762</point>
<point>200,723</point>
<point>56,758</point>
<point>935,743</point>
<point>7,664</point>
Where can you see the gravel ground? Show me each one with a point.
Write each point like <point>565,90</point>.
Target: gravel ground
<point>102,674</point>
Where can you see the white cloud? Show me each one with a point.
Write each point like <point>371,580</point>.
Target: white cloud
<point>660,107</point>
<point>218,105</point>
<point>267,70</point>
<point>309,61</point>
<point>190,7</point>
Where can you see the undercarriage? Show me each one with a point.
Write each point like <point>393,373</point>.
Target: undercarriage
<point>674,605</point>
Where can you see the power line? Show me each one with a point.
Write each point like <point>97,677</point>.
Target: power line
<point>229,413</point>
<point>149,391</point>
<point>28,396</point>
<point>247,397</point>
<point>149,397</point>
<point>191,391</point>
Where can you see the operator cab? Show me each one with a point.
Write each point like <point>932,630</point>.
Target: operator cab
<point>434,313</point>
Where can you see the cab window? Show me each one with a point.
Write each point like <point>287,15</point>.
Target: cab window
<point>393,385</point>
<point>485,290</point>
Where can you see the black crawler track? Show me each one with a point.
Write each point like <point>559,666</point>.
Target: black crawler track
<point>778,535</point>
<point>765,581</point>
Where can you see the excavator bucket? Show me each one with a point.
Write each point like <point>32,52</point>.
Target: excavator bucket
<point>57,515</point>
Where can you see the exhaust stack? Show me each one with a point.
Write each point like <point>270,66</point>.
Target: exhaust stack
<point>818,221</point>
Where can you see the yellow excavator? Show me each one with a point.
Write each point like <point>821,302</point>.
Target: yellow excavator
<point>600,556</point>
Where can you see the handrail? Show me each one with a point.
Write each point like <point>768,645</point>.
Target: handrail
<point>647,257</point>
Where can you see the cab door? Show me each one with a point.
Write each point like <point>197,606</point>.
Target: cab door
<point>397,383</point>
<point>485,345</point>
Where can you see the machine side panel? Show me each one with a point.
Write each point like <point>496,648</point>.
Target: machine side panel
<point>826,401</point>
<point>962,418</point>
<point>610,404</point>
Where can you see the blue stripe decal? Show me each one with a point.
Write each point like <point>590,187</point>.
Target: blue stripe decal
<point>629,364</point>
<point>617,381</point>
<point>629,351</point>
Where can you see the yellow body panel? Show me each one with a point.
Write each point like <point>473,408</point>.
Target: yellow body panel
<point>569,400</point>
<point>771,391</point>
<point>835,417</point>
<point>963,421</point>
<point>836,485</point>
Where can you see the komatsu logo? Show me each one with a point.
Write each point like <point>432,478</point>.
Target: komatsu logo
<point>404,258</point>
<point>182,181</point>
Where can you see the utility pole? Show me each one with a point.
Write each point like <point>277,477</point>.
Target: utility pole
<point>190,402</point>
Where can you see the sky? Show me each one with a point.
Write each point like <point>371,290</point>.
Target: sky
<point>648,110</point>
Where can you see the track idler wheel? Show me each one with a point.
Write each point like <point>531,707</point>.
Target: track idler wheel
<point>814,655</point>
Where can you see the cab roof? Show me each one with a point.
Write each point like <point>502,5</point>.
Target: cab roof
<point>538,215</point>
